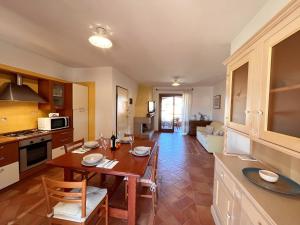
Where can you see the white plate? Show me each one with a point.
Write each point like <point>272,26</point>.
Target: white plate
<point>91,144</point>
<point>141,150</point>
<point>92,158</point>
<point>89,164</point>
<point>138,154</point>
<point>125,139</point>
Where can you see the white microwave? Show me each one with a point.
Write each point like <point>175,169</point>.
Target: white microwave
<point>53,123</point>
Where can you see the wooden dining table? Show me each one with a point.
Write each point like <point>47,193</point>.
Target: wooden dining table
<point>129,165</point>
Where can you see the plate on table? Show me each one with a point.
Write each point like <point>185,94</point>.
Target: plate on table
<point>91,144</point>
<point>284,185</point>
<point>125,140</point>
<point>92,158</point>
<point>141,150</point>
<point>89,164</point>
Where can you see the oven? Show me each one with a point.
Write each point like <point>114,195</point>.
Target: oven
<point>34,151</point>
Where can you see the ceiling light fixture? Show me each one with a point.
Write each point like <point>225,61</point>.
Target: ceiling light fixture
<point>100,39</point>
<point>175,82</point>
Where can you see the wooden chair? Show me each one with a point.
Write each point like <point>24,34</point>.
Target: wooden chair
<point>79,206</point>
<point>75,145</point>
<point>148,180</point>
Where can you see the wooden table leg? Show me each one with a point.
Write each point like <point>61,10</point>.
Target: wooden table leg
<point>132,200</point>
<point>68,174</point>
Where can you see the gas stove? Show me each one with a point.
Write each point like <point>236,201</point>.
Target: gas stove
<point>25,133</point>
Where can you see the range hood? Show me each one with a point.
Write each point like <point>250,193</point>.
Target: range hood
<point>19,92</point>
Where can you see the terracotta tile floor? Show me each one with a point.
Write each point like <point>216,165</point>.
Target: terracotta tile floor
<point>185,189</point>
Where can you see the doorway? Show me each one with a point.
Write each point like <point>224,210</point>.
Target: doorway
<point>170,115</point>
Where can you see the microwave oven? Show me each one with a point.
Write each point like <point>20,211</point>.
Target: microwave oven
<point>53,123</point>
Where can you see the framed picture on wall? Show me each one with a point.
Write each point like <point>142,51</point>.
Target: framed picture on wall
<point>217,102</point>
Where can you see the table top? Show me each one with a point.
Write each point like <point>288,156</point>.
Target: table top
<point>129,165</point>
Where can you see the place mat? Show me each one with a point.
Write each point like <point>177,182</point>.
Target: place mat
<point>81,150</point>
<point>107,164</point>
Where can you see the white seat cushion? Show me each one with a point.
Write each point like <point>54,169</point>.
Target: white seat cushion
<point>146,178</point>
<point>72,211</point>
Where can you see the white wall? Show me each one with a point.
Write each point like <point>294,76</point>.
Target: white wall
<point>219,89</point>
<point>120,79</point>
<point>106,79</point>
<point>202,101</point>
<point>20,58</point>
<point>270,9</point>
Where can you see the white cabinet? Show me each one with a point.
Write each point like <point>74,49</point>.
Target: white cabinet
<point>56,152</point>
<point>231,206</point>
<point>9,174</point>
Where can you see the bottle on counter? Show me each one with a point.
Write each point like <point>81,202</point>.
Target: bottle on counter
<point>113,142</point>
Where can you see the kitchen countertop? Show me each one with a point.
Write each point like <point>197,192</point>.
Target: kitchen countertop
<point>5,140</point>
<point>282,209</point>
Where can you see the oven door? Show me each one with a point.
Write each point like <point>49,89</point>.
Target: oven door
<point>34,155</point>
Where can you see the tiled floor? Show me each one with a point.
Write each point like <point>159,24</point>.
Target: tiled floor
<point>185,189</point>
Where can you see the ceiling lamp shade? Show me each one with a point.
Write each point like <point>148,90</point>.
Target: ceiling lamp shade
<point>100,39</point>
<point>175,83</point>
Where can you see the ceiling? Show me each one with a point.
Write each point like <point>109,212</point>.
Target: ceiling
<point>154,41</point>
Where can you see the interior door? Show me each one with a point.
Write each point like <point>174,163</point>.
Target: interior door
<point>80,111</point>
<point>122,110</point>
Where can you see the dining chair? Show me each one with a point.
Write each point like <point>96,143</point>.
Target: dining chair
<point>75,145</point>
<point>149,180</point>
<point>81,205</point>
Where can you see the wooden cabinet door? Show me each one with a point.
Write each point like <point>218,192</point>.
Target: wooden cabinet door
<point>222,201</point>
<point>239,75</point>
<point>280,107</point>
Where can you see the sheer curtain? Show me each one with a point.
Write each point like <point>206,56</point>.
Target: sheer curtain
<point>186,111</point>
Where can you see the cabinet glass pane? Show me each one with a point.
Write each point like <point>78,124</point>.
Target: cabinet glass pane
<point>284,97</point>
<point>239,94</point>
<point>58,95</point>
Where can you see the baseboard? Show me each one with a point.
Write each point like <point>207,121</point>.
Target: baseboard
<point>214,215</point>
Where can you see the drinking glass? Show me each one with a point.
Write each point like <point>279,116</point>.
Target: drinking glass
<point>105,143</point>
<point>131,140</point>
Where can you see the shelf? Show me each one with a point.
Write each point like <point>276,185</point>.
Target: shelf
<point>287,88</point>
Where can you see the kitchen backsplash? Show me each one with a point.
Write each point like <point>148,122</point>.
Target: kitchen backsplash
<point>16,116</point>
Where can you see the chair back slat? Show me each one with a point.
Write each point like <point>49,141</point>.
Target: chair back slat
<point>154,165</point>
<point>73,145</point>
<point>55,190</point>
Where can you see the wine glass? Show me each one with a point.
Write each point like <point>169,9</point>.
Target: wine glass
<point>131,140</point>
<point>105,143</point>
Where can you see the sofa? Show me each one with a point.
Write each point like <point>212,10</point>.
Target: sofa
<point>211,137</point>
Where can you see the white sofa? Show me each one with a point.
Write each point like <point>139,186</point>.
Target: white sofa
<point>211,138</point>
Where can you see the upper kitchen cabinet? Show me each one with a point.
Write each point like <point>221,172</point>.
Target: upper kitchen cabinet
<point>57,95</point>
<point>239,75</point>
<point>280,105</point>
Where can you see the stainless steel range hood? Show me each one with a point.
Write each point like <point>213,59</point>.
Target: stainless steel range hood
<point>19,92</point>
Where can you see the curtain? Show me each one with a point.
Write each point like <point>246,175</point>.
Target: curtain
<point>186,111</point>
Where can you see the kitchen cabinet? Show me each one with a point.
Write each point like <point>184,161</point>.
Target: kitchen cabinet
<point>239,90</point>
<point>263,84</point>
<point>9,164</point>
<point>280,108</point>
<point>59,139</point>
<point>231,206</point>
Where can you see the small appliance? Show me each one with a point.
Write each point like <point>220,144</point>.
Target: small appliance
<point>53,123</point>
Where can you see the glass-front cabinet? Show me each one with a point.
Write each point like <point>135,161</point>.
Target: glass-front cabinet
<point>238,92</point>
<point>280,108</point>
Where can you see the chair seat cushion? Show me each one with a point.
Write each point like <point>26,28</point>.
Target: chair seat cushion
<point>146,178</point>
<point>72,211</point>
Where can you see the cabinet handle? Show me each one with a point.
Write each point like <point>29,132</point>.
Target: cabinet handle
<point>260,112</point>
<point>259,223</point>
<point>222,175</point>
<point>2,158</point>
<point>1,170</point>
<point>247,111</point>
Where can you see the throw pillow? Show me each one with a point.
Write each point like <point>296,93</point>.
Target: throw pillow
<point>209,129</point>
